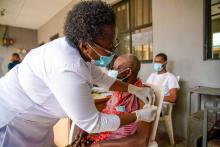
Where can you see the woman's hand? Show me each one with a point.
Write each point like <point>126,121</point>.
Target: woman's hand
<point>146,94</point>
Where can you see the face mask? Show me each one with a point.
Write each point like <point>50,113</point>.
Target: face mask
<point>103,61</point>
<point>125,79</point>
<point>114,74</point>
<point>158,67</point>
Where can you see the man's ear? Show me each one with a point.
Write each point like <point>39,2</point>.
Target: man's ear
<point>129,72</point>
<point>165,63</point>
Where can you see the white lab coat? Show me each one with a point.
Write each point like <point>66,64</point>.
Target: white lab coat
<point>52,82</point>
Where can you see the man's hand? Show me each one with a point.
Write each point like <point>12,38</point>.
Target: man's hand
<point>146,94</point>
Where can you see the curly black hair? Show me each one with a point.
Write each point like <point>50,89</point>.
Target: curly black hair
<point>86,20</point>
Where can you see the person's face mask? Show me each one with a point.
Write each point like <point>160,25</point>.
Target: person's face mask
<point>158,67</point>
<point>103,61</point>
<point>115,74</point>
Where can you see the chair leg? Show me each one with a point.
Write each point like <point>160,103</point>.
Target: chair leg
<point>169,128</point>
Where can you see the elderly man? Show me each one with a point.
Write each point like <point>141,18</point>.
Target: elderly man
<point>125,68</point>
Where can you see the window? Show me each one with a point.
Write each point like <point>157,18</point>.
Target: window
<point>211,29</point>
<point>142,43</point>
<point>134,28</point>
<point>122,22</point>
<point>216,45</point>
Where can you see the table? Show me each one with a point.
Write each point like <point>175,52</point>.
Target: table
<point>205,126</point>
<point>201,90</point>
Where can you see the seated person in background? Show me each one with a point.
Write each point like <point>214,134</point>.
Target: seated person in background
<point>15,59</point>
<point>126,68</point>
<point>164,78</point>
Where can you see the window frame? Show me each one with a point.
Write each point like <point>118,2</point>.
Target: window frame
<point>131,30</point>
<point>207,31</point>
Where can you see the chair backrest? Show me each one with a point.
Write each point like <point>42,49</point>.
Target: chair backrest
<point>159,92</point>
<point>74,131</point>
<point>178,78</point>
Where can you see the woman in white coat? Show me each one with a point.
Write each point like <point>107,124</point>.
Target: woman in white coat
<point>54,81</point>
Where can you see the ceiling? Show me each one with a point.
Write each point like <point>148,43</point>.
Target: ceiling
<point>32,13</point>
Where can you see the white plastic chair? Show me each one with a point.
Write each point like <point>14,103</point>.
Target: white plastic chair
<point>168,121</point>
<point>152,143</point>
<point>167,118</point>
<point>74,131</point>
<point>159,101</point>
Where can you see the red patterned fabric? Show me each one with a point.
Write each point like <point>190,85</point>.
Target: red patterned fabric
<point>120,100</point>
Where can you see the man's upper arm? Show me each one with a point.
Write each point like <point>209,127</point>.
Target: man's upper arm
<point>173,83</point>
<point>172,95</point>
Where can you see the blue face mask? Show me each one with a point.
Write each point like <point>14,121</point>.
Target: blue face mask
<point>103,61</point>
<point>113,73</point>
<point>158,67</point>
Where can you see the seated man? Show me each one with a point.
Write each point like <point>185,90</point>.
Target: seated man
<point>126,68</point>
<point>164,78</point>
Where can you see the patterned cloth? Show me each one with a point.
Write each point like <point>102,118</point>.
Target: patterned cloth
<point>120,103</point>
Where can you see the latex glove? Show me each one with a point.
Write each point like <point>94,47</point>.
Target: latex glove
<point>146,94</point>
<point>146,114</point>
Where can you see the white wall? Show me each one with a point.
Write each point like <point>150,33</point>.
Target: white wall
<point>56,24</point>
<point>178,32</point>
<point>24,38</point>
